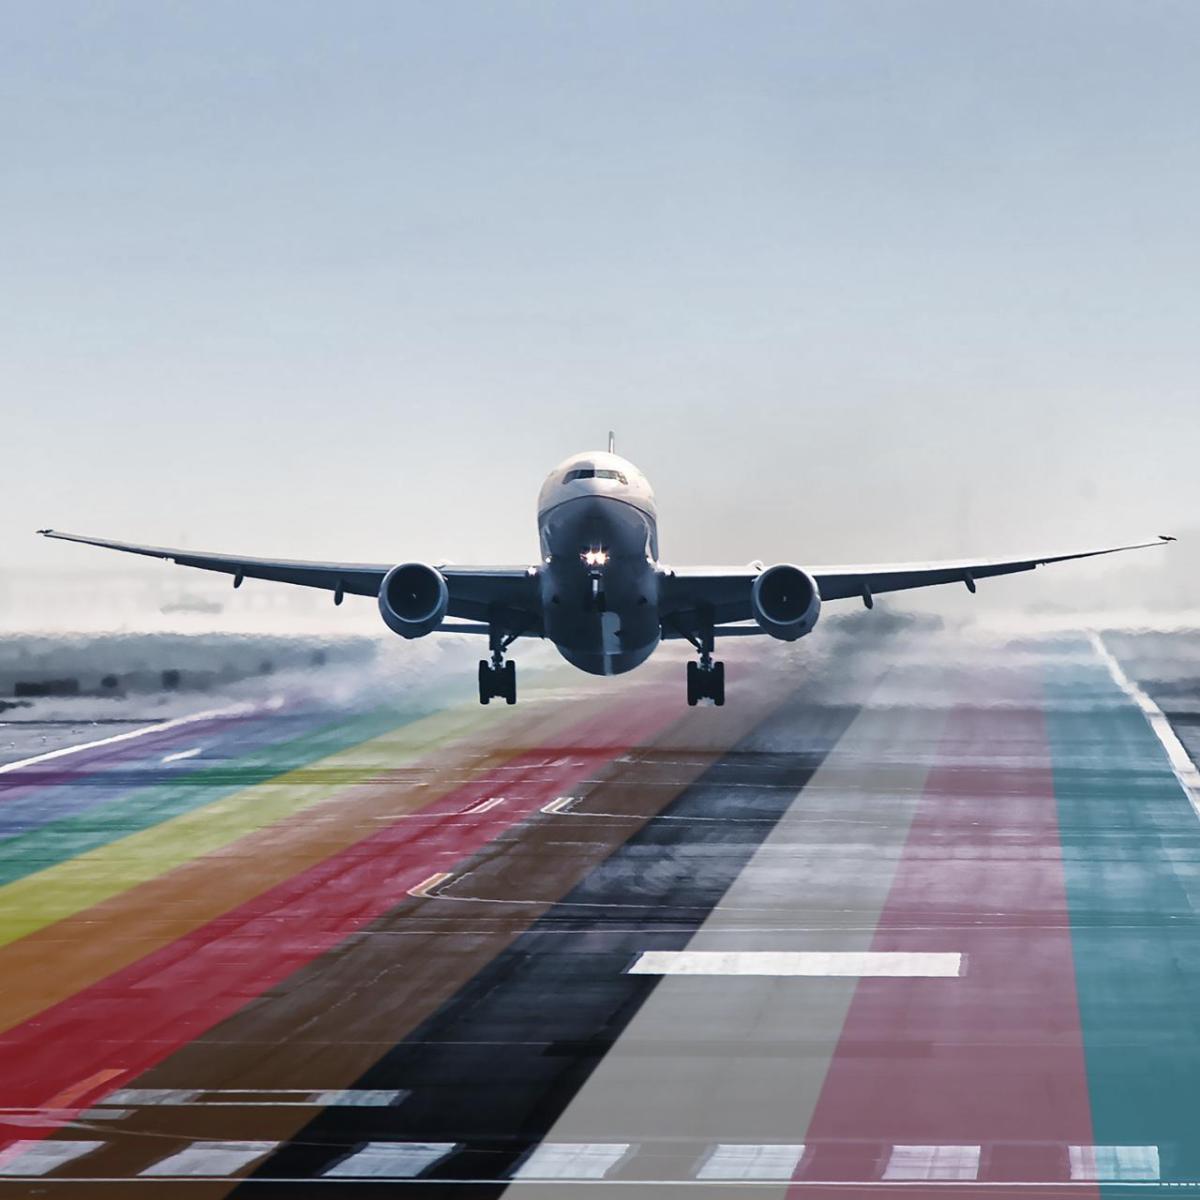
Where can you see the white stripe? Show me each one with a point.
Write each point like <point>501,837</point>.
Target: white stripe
<point>180,754</point>
<point>210,1158</point>
<point>41,1157</point>
<point>390,1160</point>
<point>933,1162</point>
<point>1120,1164</point>
<point>427,885</point>
<point>233,710</point>
<point>858,963</point>
<point>749,1162</point>
<point>147,1096</point>
<point>558,804</point>
<point>1181,763</point>
<point>572,1160</point>
<point>236,1097</point>
<point>358,1098</point>
<point>485,805</point>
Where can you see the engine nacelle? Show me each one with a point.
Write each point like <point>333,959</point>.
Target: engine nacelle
<point>413,599</point>
<point>785,602</point>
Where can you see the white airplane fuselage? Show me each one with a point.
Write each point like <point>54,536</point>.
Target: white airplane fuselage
<point>598,530</point>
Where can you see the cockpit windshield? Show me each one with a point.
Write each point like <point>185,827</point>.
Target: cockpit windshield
<point>594,473</point>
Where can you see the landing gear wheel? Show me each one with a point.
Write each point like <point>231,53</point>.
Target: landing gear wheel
<point>498,681</point>
<point>705,682</point>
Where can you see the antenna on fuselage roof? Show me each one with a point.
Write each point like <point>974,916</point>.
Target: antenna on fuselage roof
<point>612,442</point>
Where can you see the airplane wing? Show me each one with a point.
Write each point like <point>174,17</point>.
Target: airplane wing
<point>688,594</point>
<point>476,593</point>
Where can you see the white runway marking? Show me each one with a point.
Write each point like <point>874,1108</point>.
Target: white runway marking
<point>752,1163</point>
<point>558,804</point>
<point>145,1096</point>
<point>856,963</point>
<point>485,805</point>
<point>41,1157</point>
<point>572,1160</point>
<point>252,1098</point>
<point>234,710</point>
<point>179,755</point>
<point>427,885</point>
<point>1120,1164</point>
<point>210,1158</point>
<point>1181,763</point>
<point>390,1160</point>
<point>933,1162</point>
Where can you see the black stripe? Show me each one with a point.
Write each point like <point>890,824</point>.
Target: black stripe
<point>496,1065</point>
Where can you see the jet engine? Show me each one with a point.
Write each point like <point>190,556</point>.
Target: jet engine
<point>785,602</point>
<point>413,599</point>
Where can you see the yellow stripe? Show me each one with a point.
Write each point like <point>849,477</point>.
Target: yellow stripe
<point>38,900</point>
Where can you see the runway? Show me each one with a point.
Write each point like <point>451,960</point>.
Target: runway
<point>916,915</point>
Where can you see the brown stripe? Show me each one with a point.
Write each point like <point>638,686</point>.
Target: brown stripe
<point>54,963</point>
<point>343,1012</point>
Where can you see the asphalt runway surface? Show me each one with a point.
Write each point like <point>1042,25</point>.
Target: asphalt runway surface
<point>918,917</point>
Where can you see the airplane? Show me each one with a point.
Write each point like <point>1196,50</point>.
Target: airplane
<point>599,592</point>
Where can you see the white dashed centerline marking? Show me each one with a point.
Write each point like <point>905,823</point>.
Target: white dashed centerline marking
<point>210,1159</point>
<point>390,1160</point>
<point>933,1162</point>
<point>1115,1164</point>
<point>25,1158</point>
<point>179,755</point>
<point>752,1163</point>
<point>572,1160</point>
<point>855,963</point>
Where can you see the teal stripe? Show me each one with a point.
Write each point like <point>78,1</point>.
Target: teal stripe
<point>1131,851</point>
<point>58,841</point>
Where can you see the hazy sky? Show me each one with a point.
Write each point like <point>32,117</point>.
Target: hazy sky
<point>850,280</point>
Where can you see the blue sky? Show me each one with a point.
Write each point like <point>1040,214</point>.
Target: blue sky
<point>850,280</point>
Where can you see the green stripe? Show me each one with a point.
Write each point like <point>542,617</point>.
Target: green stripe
<point>1131,850</point>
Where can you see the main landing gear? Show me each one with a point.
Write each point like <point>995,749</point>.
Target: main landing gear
<point>498,679</point>
<point>706,678</point>
<point>706,681</point>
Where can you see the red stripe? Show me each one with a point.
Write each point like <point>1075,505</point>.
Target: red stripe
<point>995,1058</point>
<point>141,1014</point>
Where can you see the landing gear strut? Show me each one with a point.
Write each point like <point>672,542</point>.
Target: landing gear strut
<point>706,678</point>
<point>498,678</point>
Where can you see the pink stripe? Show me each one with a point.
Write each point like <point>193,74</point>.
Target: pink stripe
<point>995,1058</point>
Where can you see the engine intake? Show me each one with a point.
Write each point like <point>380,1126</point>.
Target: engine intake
<point>413,599</point>
<point>785,602</point>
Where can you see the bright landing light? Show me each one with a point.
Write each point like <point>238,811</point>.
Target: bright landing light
<point>595,558</point>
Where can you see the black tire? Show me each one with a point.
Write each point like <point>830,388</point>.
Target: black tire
<point>485,681</point>
<point>510,682</point>
<point>717,684</point>
<point>693,690</point>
